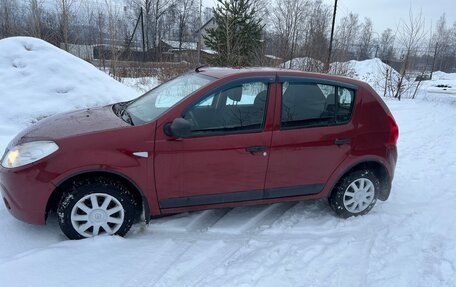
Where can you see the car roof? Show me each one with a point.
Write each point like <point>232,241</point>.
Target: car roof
<point>239,72</point>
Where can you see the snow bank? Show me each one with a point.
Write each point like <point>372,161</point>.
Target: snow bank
<point>38,79</point>
<point>141,85</point>
<point>372,71</point>
<point>439,75</point>
<point>442,88</point>
<point>303,64</point>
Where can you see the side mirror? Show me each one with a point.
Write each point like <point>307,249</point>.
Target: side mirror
<point>179,128</point>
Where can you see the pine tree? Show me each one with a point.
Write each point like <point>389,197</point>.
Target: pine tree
<point>238,33</point>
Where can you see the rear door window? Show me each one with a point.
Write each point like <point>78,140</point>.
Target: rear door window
<point>312,104</point>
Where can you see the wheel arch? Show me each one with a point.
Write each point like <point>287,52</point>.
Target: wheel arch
<point>68,181</point>
<point>376,166</point>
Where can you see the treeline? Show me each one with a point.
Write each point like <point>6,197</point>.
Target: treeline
<point>65,22</point>
<point>291,29</point>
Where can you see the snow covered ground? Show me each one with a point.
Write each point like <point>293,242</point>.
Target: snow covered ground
<point>373,71</point>
<point>141,85</point>
<point>308,64</point>
<point>409,240</point>
<point>442,88</point>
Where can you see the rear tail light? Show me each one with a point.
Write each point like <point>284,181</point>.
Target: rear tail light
<point>393,130</point>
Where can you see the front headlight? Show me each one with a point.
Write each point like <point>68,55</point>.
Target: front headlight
<point>27,153</point>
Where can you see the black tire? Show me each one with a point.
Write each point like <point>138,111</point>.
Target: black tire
<point>336,200</point>
<point>98,188</point>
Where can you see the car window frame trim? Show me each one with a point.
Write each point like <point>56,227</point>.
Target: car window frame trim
<point>313,80</point>
<point>268,79</point>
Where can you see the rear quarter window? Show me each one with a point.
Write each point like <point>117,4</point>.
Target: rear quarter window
<point>345,101</point>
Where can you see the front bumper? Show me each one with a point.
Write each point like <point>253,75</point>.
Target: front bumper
<point>25,193</point>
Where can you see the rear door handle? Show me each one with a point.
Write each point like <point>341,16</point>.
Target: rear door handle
<point>253,149</point>
<point>342,141</point>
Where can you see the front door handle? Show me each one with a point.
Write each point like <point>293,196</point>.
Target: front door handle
<point>342,141</point>
<point>254,149</point>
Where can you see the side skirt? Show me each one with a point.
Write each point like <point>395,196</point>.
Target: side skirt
<point>241,196</point>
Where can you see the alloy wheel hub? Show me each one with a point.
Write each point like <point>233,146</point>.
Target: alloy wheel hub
<point>98,216</point>
<point>359,195</point>
<point>97,213</point>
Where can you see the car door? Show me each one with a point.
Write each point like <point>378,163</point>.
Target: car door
<point>225,158</point>
<point>312,135</point>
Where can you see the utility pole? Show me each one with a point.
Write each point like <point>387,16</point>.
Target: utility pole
<point>199,32</point>
<point>140,19</point>
<point>142,33</point>
<point>328,61</point>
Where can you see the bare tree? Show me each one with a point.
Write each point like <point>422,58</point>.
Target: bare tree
<point>101,23</point>
<point>441,45</point>
<point>146,6</point>
<point>344,48</point>
<point>288,18</point>
<point>65,9</point>
<point>35,11</point>
<point>161,7</point>
<point>410,36</point>
<point>116,32</point>
<point>9,18</point>
<point>452,49</point>
<point>346,35</point>
<point>153,13</point>
<point>386,45</point>
<point>365,40</point>
<point>317,28</point>
<point>263,9</point>
<point>185,7</point>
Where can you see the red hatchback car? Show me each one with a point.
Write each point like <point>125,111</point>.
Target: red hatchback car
<point>212,138</point>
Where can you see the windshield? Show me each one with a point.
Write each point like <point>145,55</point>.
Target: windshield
<point>157,101</point>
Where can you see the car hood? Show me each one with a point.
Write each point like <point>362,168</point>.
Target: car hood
<point>71,124</point>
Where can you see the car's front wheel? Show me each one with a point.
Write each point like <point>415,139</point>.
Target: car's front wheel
<point>355,194</point>
<point>96,207</point>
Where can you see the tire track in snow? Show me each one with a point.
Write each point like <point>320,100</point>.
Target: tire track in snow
<point>246,266</point>
<point>206,219</point>
<point>156,264</point>
<point>197,262</point>
<point>188,222</point>
<point>247,219</point>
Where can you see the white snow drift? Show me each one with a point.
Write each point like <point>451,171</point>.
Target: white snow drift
<point>38,80</point>
<point>373,71</point>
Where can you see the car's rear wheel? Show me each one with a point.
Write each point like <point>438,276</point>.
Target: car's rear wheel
<point>355,194</point>
<point>96,207</point>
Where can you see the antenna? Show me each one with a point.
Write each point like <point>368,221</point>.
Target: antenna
<point>197,69</point>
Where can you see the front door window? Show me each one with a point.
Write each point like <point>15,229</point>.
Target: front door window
<point>240,108</point>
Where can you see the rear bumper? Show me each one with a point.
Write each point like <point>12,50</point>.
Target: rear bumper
<point>392,159</point>
<point>25,195</point>
<point>391,154</point>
